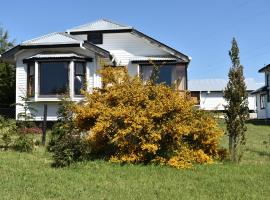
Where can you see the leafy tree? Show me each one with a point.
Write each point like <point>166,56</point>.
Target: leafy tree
<point>7,71</point>
<point>237,108</point>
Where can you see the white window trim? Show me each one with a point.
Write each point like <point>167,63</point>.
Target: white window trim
<point>38,98</point>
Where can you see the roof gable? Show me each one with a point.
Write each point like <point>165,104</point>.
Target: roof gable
<point>108,26</point>
<point>99,25</point>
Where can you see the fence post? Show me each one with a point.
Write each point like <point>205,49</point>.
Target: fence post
<point>44,125</point>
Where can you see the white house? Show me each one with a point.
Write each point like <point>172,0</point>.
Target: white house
<point>208,93</point>
<point>263,95</point>
<point>48,66</point>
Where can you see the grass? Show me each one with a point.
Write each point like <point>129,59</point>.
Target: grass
<point>30,176</point>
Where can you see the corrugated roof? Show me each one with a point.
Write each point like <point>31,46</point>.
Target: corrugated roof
<point>99,25</point>
<point>218,84</point>
<point>56,55</point>
<point>143,58</point>
<point>53,38</point>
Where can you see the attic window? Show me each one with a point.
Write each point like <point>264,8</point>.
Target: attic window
<point>95,37</point>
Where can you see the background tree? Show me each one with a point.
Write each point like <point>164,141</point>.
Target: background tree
<point>7,72</point>
<point>237,111</point>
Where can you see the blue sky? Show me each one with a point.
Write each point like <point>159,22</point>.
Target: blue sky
<point>200,29</point>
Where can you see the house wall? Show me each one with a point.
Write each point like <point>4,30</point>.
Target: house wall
<point>265,112</point>
<point>262,113</point>
<point>124,46</point>
<point>93,80</point>
<point>215,101</point>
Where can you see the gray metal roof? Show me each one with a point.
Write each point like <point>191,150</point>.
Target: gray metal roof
<point>56,55</point>
<point>218,84</point>
<point>143,58</point>
<point>53,38</point>
<point>100,25</point>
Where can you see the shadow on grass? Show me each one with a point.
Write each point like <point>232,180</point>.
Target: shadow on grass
<point>260,153</point>
<point>264,122</point>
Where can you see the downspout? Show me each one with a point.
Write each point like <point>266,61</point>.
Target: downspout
<point>187,73</point>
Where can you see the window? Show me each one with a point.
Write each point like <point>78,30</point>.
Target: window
<point>268,90</point>
<point>262,101</point>
<point>79,77</point>
<point>31,79</point>
<point>95,37</point>
<point>53,78</point>
<point>164,74</point>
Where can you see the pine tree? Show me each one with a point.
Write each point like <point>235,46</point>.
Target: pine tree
<point>7,72</point>
<point>237,111</point>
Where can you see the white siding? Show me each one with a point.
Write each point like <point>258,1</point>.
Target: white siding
<point>215,101</point>
<point>261,113</point>
<point>264,113</point>
<point>125,46</point>
<point>130,43</point>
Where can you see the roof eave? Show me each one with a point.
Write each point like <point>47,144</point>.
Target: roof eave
<point>265,68</point>
<point>78,32</point>
<point>102,52</point>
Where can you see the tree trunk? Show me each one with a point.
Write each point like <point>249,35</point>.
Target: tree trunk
<point>230,145</point>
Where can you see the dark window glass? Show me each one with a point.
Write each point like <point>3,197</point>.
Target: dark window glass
<point>79,77</point>
<point>268,90</point>
<point>164,74</point>
<point>95,37</point>
<point>31,80</point>
<point>53,78</point>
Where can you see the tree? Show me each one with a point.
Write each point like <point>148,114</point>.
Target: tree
<point>237,109</point>
<point>7,72</point>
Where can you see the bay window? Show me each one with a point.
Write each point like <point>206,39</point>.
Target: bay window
<point>54,78</point>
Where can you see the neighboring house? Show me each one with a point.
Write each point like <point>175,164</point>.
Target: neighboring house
<point>48,66</point>
<point>208,93</point>
<point>263,95</point>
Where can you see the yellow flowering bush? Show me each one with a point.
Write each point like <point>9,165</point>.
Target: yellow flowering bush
<point>129,121</point>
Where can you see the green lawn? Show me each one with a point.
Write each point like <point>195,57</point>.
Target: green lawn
<point>29,176</point>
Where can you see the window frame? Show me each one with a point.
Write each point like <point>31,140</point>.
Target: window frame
<point>95,37</point>
<point>31,92</point>
<point>172,66</point>
<point>81,75</point>
<point>262,101</point>
<point>39,77</point>
<point>268,89</point>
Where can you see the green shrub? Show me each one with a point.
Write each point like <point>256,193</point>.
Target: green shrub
<point>23,143</point>
<point>8,131</point>
<point>69,148</point>
<point>66,143</point>
<point>12,138</point>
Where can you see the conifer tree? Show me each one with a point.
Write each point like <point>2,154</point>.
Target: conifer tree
<point>237,111</point>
